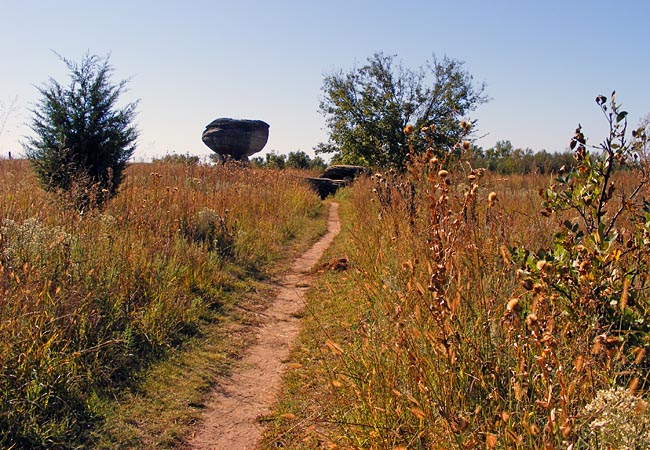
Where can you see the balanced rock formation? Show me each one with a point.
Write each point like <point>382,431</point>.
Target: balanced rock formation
<point>235,139</point>
<point>336,177</point>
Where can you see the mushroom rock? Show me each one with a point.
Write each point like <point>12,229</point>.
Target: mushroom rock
<point>235,139</point>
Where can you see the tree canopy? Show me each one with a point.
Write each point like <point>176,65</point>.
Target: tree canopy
<point>367,108</point>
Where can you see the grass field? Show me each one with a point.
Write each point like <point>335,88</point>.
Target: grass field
<point>473,311</point>
<point>89,300</point>
<point>471,318</point>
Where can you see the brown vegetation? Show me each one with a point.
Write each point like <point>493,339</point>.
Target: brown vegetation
<point>87,299</point>
<point>477,314</point>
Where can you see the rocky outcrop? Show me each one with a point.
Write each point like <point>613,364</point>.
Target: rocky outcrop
<point>235,139</point>
<point>336,177</point>
<point>344,172</point>
<point>326,186</point>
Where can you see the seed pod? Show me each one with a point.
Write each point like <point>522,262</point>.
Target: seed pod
<point>513,305</point>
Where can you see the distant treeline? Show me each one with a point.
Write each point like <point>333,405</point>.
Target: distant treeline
<point>503,158</point>
<point>294,160</point>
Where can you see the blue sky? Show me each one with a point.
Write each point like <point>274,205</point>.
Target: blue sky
<point>189,62</point>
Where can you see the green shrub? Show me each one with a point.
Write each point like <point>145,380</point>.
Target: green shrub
<point>82,140</point>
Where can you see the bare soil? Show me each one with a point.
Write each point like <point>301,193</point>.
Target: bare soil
<point>231,416</point>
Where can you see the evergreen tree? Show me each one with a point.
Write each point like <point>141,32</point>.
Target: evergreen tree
<point>82,139</point>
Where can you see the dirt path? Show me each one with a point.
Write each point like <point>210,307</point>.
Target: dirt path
<point>230,420</point>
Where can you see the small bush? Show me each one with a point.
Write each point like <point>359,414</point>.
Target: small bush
<point>218,232</point>
<point>82,140</point>
<point>616,418</point>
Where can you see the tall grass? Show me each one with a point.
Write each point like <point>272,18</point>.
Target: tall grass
<point>86,299</point>
<point>453,347</point>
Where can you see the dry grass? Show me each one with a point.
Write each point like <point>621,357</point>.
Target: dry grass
<point>88,299</point>
<point>432,338</point>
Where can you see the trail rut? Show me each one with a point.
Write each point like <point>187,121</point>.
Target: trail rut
<point>230,419</point>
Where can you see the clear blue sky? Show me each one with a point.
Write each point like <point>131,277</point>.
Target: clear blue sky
<point>190,61</point>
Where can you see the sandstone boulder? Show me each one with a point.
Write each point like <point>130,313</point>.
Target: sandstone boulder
<point>344,172</point>
<point>326,186</point>
<point>235,139</point>
<point>336,177</point>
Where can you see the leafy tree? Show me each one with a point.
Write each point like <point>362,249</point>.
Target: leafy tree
<point>83,140</point>
<point>257,161</point>
<point>643,134</point>
<point>317,163</point>
<point>298,160</point>
<point>368,108</point>
<point>176,158</point>
<point>275,161</point>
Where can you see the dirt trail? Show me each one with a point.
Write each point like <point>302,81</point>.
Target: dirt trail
<point>229,422</point>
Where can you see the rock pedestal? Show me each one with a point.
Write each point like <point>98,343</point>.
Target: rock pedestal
<point>235,139</point>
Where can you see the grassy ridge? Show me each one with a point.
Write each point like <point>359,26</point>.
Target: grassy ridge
<point>87,299</point>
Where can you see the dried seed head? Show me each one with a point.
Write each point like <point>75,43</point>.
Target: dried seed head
<point>492,197</point>
<point>640,356</point>
<point>408,129</point>
<point>531,319</point>
<point>471,177</point>
<point>513,305</point>
<point>443,173</point>
<point>465,125</point>
<point>466,145</point>
<point>527,284</point>
<point>521,273</point>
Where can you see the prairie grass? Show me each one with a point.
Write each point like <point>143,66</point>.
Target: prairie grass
<point>433,339</point>
<point>88,299</point>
